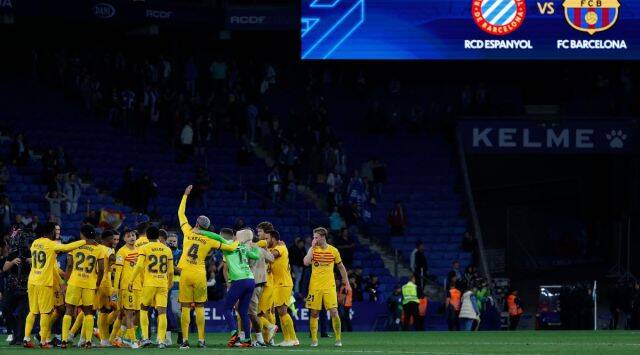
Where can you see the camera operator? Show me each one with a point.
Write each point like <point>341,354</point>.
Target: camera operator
<point>16,272</point>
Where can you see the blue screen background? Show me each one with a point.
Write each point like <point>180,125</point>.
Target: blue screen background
<point>436,30</point>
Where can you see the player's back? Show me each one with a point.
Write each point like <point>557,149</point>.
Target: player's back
<point>194,252</point>
<point>84,271</point>
<point>43,262</point>
<point>157,262</point>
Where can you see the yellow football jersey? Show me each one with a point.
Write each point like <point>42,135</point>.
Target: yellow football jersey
<point>157,261</point>
<point>106,278</point>
<point>44,262</point>
<point>322,265</point>
<point>195,250</point>
<point>126,258</point>
<point>280,268</point>
<point>142,240</point>
<point>84,271</point>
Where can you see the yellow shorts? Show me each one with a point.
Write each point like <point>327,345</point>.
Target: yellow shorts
<point>102,299</point>
<point>155,296</point>
<point>266,299</point>
<point>58,296</point>
<point>192,287</point>
<point>317,298</point>
<point>79,296</point>
<point>41,299</point>
<point>282,295</point>
<point>129,300</point>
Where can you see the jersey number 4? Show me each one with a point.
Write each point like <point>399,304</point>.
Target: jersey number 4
<point>193,251</point>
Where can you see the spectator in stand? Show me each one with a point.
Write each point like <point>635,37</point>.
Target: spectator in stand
<point>147,191</point>
<point>72,189</point>
<point>454,273</point>
<point>296,256</point>
<point>469,309</point>
<point>4,176</point>
<point>275,184</point>
<point>201,185</point>
<point>379,177</point>
<point>91,217</point>
<point>55,205</point>
<point>186,141</point>
<point>372,288</point>
<point>28,220</point>
<point>397,219</point>
<point>336,222</point>
<point>346,246</point>
<point>19,150</point>
<point>470,276</point>
<point>452,304</point>
<point>191,76</point>
<point>334,186</point>
<point>6,215</point>
<point>514,307</point>
<point>357,285</point>
<point>418,264</point>
<point>394,306</point>
<point>127,190</point>
<point>470,245</point>
<point>218,72</point>
<point>239,225</point>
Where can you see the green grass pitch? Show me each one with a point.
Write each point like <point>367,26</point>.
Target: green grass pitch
<point>525,342</point>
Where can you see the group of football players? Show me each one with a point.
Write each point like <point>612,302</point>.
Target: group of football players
<point>123,287</point>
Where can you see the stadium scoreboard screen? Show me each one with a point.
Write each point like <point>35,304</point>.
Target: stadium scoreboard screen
<point>470,29</point>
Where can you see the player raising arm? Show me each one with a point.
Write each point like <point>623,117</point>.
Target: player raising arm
<point>322,286</point>
<point>193,275</point>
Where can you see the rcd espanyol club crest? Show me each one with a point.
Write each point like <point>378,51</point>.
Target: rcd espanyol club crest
<point>498,17</point>
<point>591,16</point>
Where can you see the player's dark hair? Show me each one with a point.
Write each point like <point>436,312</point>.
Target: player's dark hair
<point>45,230</point>
<point>142,228</point>
<point>418,244</point>
<point>226,233</point>
<point>322,231</point>
<point>88,231</point>
<point>163,234</point>
<point>153,233</point>
<point>274,234</point>
<point>108,234</point>
<point>265,226</point>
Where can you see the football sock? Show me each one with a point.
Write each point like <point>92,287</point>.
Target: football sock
<point>66,324</point>
<point>337,327</point>
<point>144,324</point>
<point>185,319</point>
<point>162,328</point>
<point>28,325</point>
<point>200,322</point>
<point>313,327</point>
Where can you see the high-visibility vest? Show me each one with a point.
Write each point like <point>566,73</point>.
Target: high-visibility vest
<point>409,293</point>
<point>512,306</point>
<point>454,298</point>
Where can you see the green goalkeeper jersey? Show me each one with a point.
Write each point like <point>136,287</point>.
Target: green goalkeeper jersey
<point>237,261</point>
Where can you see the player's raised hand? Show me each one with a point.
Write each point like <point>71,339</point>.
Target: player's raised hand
<point>187,191</point>
<point>314,242</point>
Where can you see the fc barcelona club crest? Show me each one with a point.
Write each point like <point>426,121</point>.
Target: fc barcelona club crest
<point>591,16</point>
<point>498,17</point>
